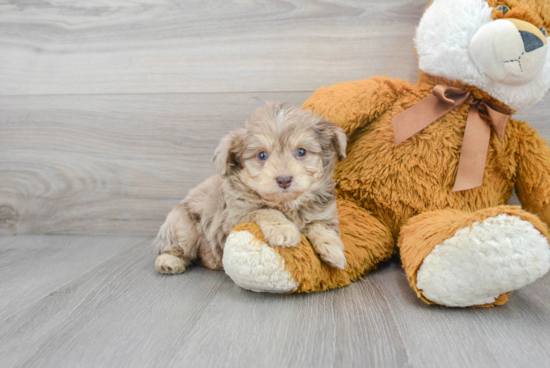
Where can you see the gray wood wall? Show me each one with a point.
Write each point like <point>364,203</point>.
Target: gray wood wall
<point>110,110</point>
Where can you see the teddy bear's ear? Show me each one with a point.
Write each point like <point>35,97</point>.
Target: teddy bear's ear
<point>226,155</point>
<point>331,134</point>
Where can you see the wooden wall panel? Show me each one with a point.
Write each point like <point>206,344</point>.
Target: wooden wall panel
<point>110,111</point>
<point>152,46</point>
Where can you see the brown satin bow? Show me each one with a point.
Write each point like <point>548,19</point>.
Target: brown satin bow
<point>475,144</point>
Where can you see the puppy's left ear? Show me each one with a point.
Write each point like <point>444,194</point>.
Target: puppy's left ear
<point>226,155</point>
<point>332,134</point>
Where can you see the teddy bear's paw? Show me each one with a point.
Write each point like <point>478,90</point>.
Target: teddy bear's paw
<point>169,264</point>
<point>477,264</point>
<point>254,265</point>
<point>284,234</point>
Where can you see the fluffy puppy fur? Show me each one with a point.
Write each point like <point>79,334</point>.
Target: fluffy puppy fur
<point>276,172</point>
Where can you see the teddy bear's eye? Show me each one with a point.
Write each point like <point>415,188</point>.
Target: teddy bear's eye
<point>544,32</point>
<point>504,8</point>
<point>262,156</point>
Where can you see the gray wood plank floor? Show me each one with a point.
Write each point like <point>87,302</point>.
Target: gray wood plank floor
<point>85,301</point>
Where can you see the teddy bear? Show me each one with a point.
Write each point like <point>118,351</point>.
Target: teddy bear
<point>431,166</point>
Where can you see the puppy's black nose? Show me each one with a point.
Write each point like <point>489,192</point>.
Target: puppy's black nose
<point>284,181</point>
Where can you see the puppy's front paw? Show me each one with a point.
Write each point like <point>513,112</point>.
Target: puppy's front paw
<point>331,251</point>
<point>169,264</point>
<point>283,235</point>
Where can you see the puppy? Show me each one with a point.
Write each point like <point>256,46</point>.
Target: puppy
<point>277,173</point>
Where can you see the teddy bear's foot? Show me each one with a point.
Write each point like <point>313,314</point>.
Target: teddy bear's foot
<point>477,264</point>
<point>255,266</point>
<point>463,259</point>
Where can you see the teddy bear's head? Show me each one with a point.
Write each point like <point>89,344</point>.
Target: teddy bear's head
<point>499,46</point>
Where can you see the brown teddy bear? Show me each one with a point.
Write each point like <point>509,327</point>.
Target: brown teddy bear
<point>431,165</point>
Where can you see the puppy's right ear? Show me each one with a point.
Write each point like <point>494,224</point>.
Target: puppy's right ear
<point>226,155</point>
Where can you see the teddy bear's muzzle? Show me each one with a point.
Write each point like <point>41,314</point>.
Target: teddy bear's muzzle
<point>509,51</point>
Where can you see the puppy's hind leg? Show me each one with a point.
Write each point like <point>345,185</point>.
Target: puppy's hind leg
<point>176,242</point>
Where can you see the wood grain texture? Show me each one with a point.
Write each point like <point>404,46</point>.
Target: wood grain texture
<point>121,313</point>
<point>33,266</point>
<point>182,46</point>
<point>505,336</point>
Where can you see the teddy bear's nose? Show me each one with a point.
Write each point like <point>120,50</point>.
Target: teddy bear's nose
<point>531,41</point>
<point>532,37</point>
<point>284,181</point>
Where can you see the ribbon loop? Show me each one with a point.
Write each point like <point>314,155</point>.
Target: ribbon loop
<point>482,115</point>
<point>450,95</point>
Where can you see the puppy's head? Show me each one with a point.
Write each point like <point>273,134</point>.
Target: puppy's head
<point>283,153</point>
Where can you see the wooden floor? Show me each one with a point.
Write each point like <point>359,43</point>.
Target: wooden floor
<point>97,301</point>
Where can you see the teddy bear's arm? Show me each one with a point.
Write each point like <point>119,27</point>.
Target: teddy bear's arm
<point>354,104</point>
<point>533,171</point>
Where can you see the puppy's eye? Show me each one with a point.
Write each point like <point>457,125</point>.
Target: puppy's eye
<point>301,152</point>
<point>262,156</point>
<point>504,8</point>
<point>544,32</point>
